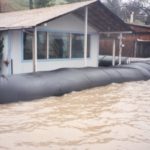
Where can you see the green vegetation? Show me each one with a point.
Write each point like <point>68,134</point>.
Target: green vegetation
<point>30,4</point>
<point>18,4</point>
<point>44,3</point>
<point>39,3</point>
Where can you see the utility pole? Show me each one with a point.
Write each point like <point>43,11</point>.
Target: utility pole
<point>31,4</point>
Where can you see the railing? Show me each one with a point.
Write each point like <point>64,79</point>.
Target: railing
<point>106,60</point>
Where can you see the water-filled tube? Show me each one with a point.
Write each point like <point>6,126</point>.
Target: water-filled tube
<point>26,87</point>
<point>106,61</point>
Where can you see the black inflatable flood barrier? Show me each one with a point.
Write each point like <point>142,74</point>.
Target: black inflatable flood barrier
<point>26,87</point>
<point>106,61</point>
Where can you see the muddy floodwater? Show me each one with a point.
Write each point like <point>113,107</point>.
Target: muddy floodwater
<point>114,117</point>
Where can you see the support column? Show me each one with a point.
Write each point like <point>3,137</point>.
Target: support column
<point>85,36</point>
<point>34,53</point>
<point>47,34</point>
<point>114,52</point>
<point>135,49</point>
<point>70,48</point>
<point>120,48</point>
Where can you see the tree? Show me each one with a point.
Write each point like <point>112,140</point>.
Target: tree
<point>43,3</point>
<point>31,4</point>
<point>114,6</point>
<point>0,5</point>
<point>140,9</point>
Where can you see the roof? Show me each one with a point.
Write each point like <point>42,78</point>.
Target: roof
<point>140,28</point>
<point>99,16</point>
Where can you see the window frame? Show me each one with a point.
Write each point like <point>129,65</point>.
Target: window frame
<point>66,43</point>
<point>46,44</point>
<point>88,46</point>
<point>23,46</point>
<point>70,46</point>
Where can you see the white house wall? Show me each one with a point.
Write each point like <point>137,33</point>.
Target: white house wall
<point>6,70</point>
<point>68,23</point>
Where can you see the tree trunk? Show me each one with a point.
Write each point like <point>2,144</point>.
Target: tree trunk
<point>31,4</point>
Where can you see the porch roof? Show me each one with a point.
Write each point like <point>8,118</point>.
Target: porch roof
<point>101,18</point>
<point>140,28</point>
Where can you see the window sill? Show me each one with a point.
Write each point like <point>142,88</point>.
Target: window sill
<point>54,59</point>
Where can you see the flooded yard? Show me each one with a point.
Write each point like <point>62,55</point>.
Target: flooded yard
<point>115,117</point>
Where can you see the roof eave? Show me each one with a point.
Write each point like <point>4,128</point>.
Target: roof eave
<point>14,28</point>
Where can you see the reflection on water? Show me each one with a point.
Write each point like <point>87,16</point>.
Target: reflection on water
<point>115,117</point>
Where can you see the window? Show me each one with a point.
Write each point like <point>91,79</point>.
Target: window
<point>42,45</point>
<point>58,45</point>
<point>78,46</point>
<point>143,49</point>
<point>27,42</point>
<point>55,45</point>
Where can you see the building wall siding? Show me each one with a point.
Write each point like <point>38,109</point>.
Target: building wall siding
<point>129,44</point>
<point>69,23</point>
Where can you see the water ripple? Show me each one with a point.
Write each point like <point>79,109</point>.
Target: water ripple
<point>115,117</point>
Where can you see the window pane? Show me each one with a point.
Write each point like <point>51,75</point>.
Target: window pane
<point>27,43</point>
<point>58,45</point>
<point>42,45</point>
<point>78,46</point>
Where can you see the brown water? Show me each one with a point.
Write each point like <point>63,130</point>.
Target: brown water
<point>115,117</point>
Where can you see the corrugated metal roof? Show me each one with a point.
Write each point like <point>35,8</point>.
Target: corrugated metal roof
<point>99,16</point>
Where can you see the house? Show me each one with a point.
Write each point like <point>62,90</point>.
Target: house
<point>55,37</point>
<point>136,44</point>
<point>140,40</point>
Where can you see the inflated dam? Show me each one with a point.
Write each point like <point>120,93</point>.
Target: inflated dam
<point>26,87</point>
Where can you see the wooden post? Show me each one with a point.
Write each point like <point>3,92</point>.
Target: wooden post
<point>120,48</point>
<point>85,35</point>
<point>31,4</point>
<point>70,48</point>
<point>35,51</point>
<point>47,34</point>
<point>135,49</point>
<point>114,52</point>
